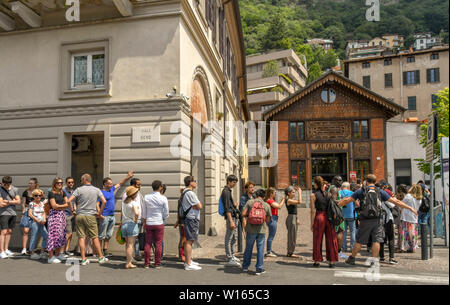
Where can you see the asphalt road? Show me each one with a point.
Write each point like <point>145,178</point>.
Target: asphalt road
<point>23,271</point>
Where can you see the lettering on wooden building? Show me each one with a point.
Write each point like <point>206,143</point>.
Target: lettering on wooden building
<point>329,147</point>
<point>328,130</point>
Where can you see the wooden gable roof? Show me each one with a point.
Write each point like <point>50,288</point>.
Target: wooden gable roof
<point>390,108</point>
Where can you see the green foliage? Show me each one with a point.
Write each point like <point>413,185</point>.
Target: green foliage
<point>277,89</point>
<point>314,72</point>
<point>441,109</point>
<point>271,69</point>
<point>286,78</point>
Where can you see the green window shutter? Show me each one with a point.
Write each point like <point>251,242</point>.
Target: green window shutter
<point>405,78</point>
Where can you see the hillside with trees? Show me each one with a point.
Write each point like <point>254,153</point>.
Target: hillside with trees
<point>282,24</point>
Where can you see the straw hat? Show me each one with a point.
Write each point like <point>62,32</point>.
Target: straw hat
<point>131,191</point>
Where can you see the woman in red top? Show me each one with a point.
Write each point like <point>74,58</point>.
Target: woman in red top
<point>270,199</point>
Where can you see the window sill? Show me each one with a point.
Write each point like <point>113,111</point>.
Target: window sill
<point>84,93</point>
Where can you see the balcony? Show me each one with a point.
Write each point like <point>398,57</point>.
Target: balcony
<point>266,97</point>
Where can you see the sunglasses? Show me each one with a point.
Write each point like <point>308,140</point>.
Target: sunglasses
<point>58,183</point>
<point>36,196</point>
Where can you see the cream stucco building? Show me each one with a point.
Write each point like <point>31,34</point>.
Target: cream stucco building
<point>118,91</point>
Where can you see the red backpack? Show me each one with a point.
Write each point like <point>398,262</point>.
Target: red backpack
<point>257,214</point>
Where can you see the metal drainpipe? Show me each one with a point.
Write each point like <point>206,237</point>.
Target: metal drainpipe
<point>401,86</point>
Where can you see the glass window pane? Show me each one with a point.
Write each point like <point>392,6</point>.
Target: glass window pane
<point>80,70</point>
<point>356,133</point>
<point>365,129</point>
<point>302,173</point>
<point>301,131</point>
<point>294,173</point>
<point>292,131</point>
<point>98,69</point>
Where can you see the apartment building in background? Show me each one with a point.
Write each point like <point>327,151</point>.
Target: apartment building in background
<point>409,79</point>
<point>265,90</point>
<point>119,91</point>
<point>424,41</point>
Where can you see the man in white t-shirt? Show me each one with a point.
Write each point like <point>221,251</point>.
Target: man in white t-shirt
<point>192,206</point>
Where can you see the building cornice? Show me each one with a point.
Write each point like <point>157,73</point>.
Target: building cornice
<point>174,104</point>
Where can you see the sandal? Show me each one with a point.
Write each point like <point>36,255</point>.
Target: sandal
<point>130,266</point>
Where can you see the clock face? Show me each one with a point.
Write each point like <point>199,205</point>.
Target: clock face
<point>328,96</point>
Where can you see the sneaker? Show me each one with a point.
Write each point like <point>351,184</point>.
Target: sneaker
<point>244,270</point>
<point>192,267</point>
<point>194,263</point>
<point>69,254</point>
<point>342,255</point>
<point>54,260</point>
<point>260,271</point>
<point>107,253</point>
<point>271,254</point>
<point>350,260</point>
<point>61,257</point>
<point>84,262</point>
<point>233,263</point>
<point>158,266</point>
<point>138,258</point>
<point>35,256</point>
<point>44,255</point>
<point>24,252</point>
<point>102,260</point>
<point>393,261</point>
<point>236,259</point>
<point>9,253</point>
<point>147,267</point>
<point>3,255</point>
<point>381,259</point>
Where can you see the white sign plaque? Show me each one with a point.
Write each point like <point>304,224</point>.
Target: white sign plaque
<point>146,134</point>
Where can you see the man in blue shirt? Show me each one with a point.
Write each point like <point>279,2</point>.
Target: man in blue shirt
<point>107,219</point>
<point>370,227</point>
<point>349,216</point>
<point>248,195</point>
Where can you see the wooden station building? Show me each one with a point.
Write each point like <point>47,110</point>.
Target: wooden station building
<point>333,126</point>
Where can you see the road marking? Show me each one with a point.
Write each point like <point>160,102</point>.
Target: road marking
<point>396,277</point>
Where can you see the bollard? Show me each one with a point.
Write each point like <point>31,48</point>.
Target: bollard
<point>424,238</point>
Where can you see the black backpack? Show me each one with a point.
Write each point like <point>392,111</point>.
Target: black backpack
<point>334,213</point>
<point>371,204</point>
<point>425,205</point>
<point>181,212</point>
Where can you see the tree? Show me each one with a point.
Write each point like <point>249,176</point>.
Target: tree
<point>314,72</point>
<point>441,110</point>
<point>271,69</point>
<point>275,33</point>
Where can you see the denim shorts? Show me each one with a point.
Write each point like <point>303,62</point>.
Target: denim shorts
<point>106,227</point>
<point>130,229</point>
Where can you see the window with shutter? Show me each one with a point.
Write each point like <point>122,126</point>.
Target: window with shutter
<point>214,20</point>
<point>366,81</point>
<point>388,80</point>
<point>228,58</point>
<point>417,77</point>
<point>412,103</point>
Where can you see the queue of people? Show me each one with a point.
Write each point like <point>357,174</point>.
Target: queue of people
<point>368,212</point>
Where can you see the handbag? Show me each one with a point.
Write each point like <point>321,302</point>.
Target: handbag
<point>141,240</point>
<point>119,238</point>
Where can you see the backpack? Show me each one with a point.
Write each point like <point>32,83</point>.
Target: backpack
<point>181,212</point>
<point>371,204</point>
<point>221,207</point>
<point>257,215</point>
<point>334,213</point>
<point>425,205</point>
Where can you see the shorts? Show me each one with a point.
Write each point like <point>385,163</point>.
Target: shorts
<point>106,227</point>
<point>130,229</point>
<point>70,224</point>
<point>191,227</point>
<point>370,228</point>
<point>86,225</point>
<point>7,222</point>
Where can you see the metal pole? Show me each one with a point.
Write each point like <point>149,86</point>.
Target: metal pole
<point>432,209</point>
<point>424,239</point>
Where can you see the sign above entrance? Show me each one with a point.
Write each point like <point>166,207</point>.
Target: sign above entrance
<point>329,147</point>
<point>146,134</point>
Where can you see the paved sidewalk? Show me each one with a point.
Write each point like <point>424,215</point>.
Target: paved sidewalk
<point>213,247</point>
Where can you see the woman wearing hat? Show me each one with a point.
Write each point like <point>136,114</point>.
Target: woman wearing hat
<point>131,213</point>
